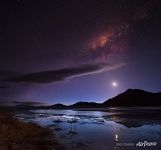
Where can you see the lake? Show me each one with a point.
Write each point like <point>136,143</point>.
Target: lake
<point>113,129</point>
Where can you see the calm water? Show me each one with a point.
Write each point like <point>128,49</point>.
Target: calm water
<point>98,130</point>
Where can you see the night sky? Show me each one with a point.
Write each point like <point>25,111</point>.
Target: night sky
<point>64,51</point>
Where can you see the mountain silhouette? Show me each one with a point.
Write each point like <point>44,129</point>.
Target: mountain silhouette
<point>129,98</point>
<point>134,97</point>
<point>85,105</point>
<point>58,106</point>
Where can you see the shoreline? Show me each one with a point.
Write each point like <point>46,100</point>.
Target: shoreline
<point>13,108</point>
<point>16,134</point>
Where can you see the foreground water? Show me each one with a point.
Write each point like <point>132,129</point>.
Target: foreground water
<point>101,130</point>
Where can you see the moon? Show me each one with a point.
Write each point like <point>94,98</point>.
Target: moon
<point>114,84</point>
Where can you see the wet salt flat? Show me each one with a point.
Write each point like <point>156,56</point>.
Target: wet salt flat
<point>98,130</point>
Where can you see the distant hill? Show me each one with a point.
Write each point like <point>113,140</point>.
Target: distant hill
<point>129,98</point>
<point>58,106</point>
<point>85,105</point>
<point>134,97</point>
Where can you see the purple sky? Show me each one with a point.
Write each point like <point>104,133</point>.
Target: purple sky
<point>69,51</point>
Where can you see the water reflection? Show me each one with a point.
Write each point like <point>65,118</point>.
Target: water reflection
<point>134,122</point>
<point>116,138</point>
<point>72,129</point>
<point>85,130</point>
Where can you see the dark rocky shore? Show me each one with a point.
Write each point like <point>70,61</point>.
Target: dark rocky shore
<point>18,135</point>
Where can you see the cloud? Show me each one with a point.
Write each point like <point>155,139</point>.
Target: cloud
<point>21,103</point>
<point>8,73</point>
<point>27,103</point>
<point>4,87</point>
<point>52,76</point>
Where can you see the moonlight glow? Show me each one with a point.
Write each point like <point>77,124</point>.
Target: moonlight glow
<point>114,84</point>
